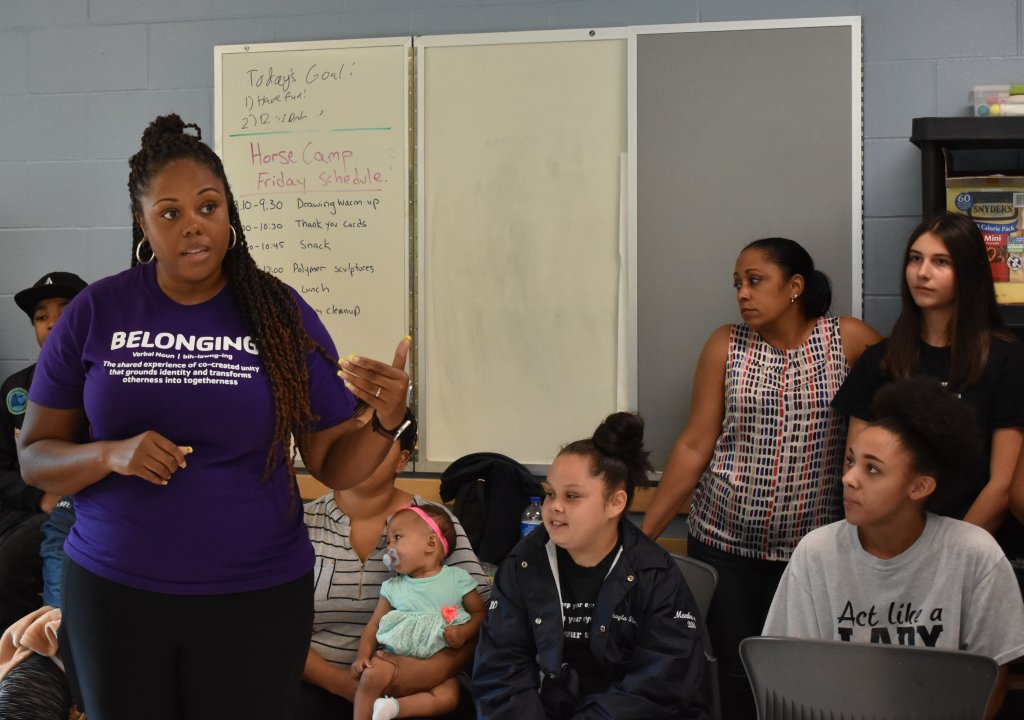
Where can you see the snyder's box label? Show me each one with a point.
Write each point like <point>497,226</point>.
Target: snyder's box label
<point>999,214</point>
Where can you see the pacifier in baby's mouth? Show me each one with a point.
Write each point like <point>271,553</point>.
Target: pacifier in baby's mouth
<point>390,558</point>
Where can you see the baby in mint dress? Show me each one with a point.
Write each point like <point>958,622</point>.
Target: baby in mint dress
<point>429,606</point>
<point>423,608</point>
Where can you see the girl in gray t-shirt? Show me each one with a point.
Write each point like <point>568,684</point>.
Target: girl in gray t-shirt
<point>892,572</point>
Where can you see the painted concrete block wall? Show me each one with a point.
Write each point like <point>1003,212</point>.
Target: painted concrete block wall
<point>81,78</point>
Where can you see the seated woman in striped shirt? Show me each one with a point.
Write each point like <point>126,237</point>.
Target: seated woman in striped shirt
<point>348,532</point>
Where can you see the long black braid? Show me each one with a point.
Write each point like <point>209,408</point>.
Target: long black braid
<point>269,310</point>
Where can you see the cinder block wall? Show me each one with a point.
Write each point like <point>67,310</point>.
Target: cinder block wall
<point>79,79</point>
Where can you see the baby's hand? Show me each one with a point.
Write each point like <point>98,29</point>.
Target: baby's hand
<point>358,666</point>
<point>453,637</point>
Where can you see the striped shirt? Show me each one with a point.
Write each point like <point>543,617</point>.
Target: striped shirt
<point>346,589</point>
<point>776,471</point>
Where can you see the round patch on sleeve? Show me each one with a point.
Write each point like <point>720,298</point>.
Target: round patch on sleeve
<point>17,401</point>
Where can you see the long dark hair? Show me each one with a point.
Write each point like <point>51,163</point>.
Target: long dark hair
<point>616,454</point>
<point>976,317</point>
<point>268,307</point>
<point>790,256</point>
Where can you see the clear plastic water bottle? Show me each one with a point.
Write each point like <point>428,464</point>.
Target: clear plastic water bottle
<point>531,517</point>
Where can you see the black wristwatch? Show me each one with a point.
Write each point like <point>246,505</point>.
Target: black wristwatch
<point>391,435</point>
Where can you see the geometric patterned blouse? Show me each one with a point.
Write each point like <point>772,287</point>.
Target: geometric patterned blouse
<point>776,470</point>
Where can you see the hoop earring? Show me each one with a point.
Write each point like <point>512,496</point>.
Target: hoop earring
<point>234,238</point>
<point>138,253</point>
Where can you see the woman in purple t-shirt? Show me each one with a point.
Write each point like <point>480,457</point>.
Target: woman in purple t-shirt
<point>168,403</point>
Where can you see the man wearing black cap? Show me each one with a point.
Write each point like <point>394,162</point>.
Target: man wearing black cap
<point>23,509</point>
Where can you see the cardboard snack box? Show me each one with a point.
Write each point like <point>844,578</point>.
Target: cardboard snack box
<point>996,204</point>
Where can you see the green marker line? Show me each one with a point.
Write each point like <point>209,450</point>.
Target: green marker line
<point>289,132</point>
<point>268,132</point>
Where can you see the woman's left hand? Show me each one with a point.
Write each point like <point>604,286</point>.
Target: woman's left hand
<point>415,675</point>
<point>383,387</point>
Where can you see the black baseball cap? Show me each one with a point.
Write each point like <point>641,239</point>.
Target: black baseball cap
<point>51,285</point>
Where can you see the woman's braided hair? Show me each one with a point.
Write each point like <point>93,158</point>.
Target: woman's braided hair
<point>268,306</point>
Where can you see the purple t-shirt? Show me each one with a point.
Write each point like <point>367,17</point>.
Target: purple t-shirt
<point>135,360</point>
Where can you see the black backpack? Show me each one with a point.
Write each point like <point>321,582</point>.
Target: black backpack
<point>490,491</point>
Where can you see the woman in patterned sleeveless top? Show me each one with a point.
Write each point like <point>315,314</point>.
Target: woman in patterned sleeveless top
<point>762,450</point>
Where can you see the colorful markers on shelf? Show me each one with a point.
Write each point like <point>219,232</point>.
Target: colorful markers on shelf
<point>998,100</point>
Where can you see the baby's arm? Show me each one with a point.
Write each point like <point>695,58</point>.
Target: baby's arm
<point>368,641</point>
<point>458,635</point>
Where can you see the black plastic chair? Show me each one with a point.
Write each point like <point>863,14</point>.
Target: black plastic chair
<point>817,679</point>
<point>702,580</point>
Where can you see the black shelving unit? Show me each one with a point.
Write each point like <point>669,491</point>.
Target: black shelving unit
<point>968,146</point>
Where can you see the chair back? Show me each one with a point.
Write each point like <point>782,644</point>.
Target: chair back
<point>702,579</point>
<point>819,679</point>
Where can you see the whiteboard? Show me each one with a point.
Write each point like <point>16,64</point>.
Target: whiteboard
<point>314,137</point>
<point>520,251</point>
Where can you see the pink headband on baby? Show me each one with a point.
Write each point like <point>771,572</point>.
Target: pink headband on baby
<point>430,521</point>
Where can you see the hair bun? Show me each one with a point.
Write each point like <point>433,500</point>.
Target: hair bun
<point>621,435</point>
<point>616,453</point>
<point>164,125</point>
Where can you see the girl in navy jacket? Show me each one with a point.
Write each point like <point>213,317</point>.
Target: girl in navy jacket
<point>589,618</point>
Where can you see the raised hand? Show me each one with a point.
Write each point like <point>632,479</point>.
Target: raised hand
<point>383,387</point>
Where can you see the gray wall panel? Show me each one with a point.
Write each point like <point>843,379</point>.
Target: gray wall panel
<point>730,151</point>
